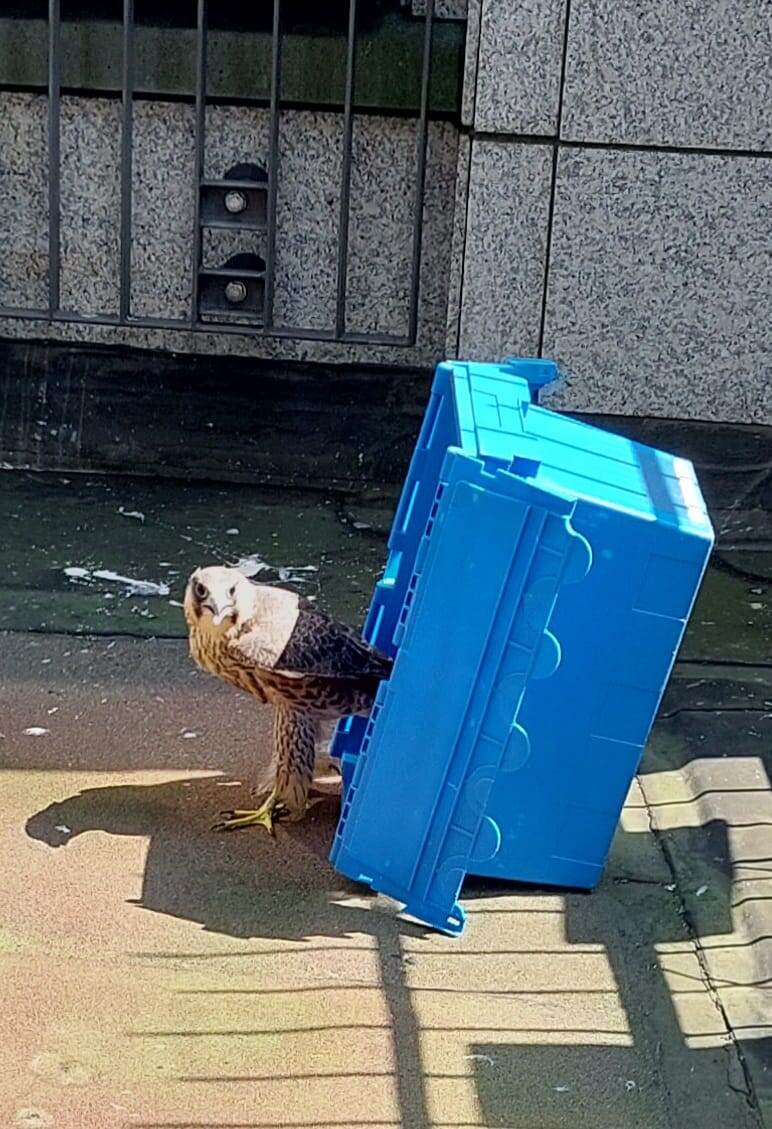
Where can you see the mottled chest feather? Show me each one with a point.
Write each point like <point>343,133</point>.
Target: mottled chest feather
<point>210,652</point>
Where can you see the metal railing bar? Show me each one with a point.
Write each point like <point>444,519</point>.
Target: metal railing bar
<point>273,172</point>
<point>126,157</point>
<point>301,333</point>
<point>422,141</point>
<point>54,154</point>
<point>345,183</point>
<point>200,142</point>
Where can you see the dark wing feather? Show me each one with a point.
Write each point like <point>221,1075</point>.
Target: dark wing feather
<point>333,694</point>
<point>319,645</point>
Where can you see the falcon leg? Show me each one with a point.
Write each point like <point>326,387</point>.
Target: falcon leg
<point>294,754</point>
<point>294,737</point>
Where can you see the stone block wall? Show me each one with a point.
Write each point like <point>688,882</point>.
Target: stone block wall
<point>163,187</point>
<point>605,199</point>
<point>615,200</point>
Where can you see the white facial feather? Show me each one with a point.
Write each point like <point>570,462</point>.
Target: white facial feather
<point>232,600</point>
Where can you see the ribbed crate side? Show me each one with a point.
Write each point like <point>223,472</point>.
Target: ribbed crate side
<point>357,769</point>
<point>619,641</point>
<point>518,648</point>
<point>465,610</point>
<point>522,536</point>
<point>438,663</point>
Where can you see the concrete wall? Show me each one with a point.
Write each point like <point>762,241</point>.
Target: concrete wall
<point>615,200</point>
<point>607,201</point>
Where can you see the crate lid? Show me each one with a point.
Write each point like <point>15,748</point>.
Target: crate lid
<point>499,421</point>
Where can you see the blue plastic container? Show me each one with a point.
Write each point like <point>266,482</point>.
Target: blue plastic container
<point>539,579</point>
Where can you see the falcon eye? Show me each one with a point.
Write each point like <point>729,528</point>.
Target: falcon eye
<point>200,590</point>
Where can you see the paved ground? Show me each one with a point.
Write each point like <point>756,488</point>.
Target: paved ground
<point>157,975</point>
<point>153,974</point>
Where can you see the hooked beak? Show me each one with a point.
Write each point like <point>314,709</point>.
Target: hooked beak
<point>219,614</point>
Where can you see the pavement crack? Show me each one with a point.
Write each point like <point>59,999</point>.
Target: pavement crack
<point>739,1090</point>
<point>747,1090</point>
<point>64,633</point>
<point>627,880</point>
<point>740,664</point>
<point>669,714</point>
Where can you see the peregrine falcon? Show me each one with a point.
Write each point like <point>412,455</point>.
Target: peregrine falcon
<point>267,642</point>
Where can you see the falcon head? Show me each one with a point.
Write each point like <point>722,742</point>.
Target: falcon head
<point>223,595</point>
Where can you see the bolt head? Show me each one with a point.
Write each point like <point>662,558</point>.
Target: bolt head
<point>235,291</point>
<point>235,202</point>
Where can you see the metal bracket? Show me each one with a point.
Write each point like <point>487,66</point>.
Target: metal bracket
<point>237,202</point>
<point>236,289</point>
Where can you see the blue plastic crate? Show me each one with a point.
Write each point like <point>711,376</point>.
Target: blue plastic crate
<point>486,767</point>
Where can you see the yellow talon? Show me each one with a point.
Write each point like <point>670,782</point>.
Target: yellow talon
<point>261,817</point>
<point>265,816</point>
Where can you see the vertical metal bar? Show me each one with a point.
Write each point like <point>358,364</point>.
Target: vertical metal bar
<point>345,185</point>
<point>126,157</point>
<point>200,141</point>
<point>422,139</point>
<point>54,154</point>
<point>273,171</point>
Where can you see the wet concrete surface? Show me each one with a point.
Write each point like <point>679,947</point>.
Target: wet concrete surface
<point>155,974</point>
<point>58,530</point>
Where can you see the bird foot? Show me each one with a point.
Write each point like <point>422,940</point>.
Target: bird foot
<point>236,820</point>
<point>271,812</point>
